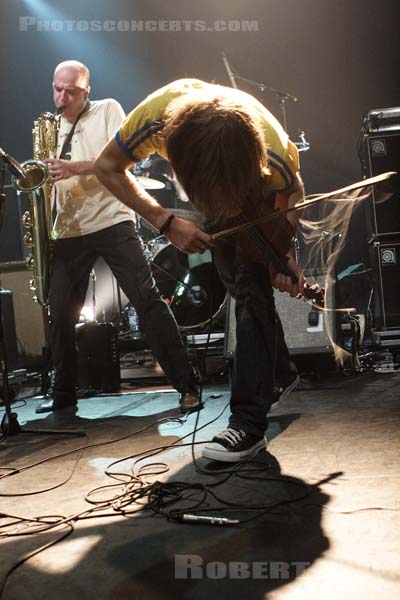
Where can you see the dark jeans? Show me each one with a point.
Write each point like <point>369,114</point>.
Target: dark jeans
<point>261,352</point>
<point>122,249</point>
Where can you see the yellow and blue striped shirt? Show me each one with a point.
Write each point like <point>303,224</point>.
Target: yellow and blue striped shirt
<point>141,134</point>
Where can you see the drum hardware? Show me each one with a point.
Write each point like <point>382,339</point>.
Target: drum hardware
<point>128,321</point>
<point>144,165</point>
<point>190,285</point>
<point>145,230</point>
<point>196,294</point>
<point>179,189</point>
<point>303,145</point>
<point>160,169</point>
<point>141,174</point>
<point>154,246</point>
<point>149,184</point>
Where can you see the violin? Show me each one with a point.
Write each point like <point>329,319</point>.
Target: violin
<point>265,234</point>
<point>269,240</point>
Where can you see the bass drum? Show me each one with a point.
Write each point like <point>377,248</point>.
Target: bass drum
<point>190,284</point>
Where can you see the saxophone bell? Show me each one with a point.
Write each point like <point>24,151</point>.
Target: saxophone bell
<point>36,175</point>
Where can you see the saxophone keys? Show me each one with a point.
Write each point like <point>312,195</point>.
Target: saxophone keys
<point>32,285</point>
<point>28,241</point>
<point>26,219</point>
<point>30,261</point>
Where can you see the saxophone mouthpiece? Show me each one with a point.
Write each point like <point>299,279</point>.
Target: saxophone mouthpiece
<point>59,110</point>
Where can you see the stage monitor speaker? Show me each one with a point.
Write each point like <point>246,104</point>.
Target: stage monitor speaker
<point>386,279</point>
<point>381,153</point>
<point>306,329</point>
<point>9,331</point>
<point>11,234</point>
<point>29,317</point>
<point>98,357</point>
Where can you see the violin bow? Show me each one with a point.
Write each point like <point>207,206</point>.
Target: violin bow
<point>308,201</point>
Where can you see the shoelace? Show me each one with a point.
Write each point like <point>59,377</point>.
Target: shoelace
<point>233,436</point>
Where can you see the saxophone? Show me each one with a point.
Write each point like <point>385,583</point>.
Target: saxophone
<point>38,219</point>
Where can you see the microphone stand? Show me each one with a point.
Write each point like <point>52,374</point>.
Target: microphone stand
<point>9,423</point>
<point>303,145</point>
<point>229,71</point>
<point>93,278</point>
<point>281,94</point>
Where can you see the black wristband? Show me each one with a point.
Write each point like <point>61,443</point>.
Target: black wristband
<point>166,224</point>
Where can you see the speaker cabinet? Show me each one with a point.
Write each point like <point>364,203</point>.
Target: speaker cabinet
<point>29,319</point>
<point>9,331</point>
<point>386,271</point>
<point>12,232</point>
<point>98,357</point>
<point>307,330</point>
<point>381,153</point>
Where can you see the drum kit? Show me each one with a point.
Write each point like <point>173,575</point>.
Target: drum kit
<point>189,283</point>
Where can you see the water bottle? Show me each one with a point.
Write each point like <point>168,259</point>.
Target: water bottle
<point>134,323</point>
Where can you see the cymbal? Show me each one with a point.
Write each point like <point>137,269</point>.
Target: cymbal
<point>190,215</point>
<point>149,184</point>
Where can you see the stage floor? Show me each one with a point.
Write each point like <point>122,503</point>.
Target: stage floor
<point>328,488</point>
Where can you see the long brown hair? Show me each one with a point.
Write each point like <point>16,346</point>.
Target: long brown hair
<point>217,149</point>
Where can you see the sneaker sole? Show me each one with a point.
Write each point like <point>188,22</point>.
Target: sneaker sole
<point>225,456</point>
<point>285,393</point>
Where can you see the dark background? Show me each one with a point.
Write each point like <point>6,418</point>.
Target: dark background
<point>340,58</point>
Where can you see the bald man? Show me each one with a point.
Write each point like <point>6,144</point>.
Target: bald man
<point>92,223</point>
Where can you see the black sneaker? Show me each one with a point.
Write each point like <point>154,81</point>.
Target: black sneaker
<point>282,391</point>
<point>234,445</point>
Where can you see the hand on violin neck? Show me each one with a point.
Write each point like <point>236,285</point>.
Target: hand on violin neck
<point>285,283</point>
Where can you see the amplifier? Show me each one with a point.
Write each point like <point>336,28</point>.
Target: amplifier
<point>9,331</point>
<point>380,152</point>
<point>11,239</point>
<point>386,274</point>
<point>29,315</point>
<point>98,357</point>
<point>307,330</point>
<point>383,119</point>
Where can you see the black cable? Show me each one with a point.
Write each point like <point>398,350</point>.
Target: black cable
<point>30,555</point>
<point>157,498</point>
<point>48,489</point>
<point>87,446</point>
